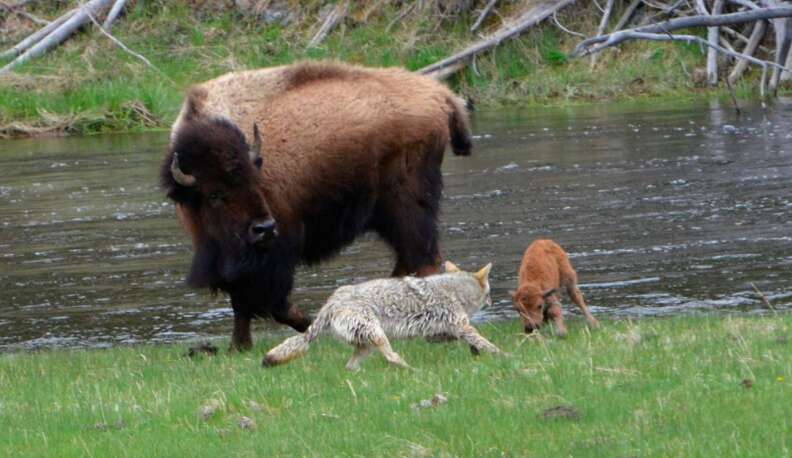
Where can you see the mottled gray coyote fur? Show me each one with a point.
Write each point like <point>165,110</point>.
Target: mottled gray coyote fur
<point>367,314</point>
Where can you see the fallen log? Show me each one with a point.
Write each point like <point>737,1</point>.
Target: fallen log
<point>529,18</point>
<point>35,37</point>
<point>61,33</point>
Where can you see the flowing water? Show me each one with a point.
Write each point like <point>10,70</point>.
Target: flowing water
<point>663,209</point>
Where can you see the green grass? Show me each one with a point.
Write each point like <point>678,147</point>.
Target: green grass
<point>653,387</point>
<point>89,85</point>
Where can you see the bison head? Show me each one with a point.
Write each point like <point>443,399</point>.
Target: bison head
<point>213,175</point>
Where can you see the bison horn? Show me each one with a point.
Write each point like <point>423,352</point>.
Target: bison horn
<point>181,177</point>
<point>255,150</point>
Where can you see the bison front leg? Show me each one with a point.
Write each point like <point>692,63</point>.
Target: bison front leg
<point>241,338</point>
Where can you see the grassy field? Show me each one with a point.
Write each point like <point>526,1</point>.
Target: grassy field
<point>696,386</point>
<point>89,85</point>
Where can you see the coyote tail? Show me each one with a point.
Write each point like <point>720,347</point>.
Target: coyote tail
<point>296,346</point>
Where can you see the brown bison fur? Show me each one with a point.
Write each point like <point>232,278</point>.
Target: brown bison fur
<point>545,268</point>
<point>344,150</point>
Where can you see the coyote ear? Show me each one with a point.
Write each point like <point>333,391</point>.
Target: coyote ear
<point>548,293</point>
<point>451,267</point>
<point>483,274</point>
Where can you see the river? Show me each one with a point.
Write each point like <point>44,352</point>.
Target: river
<point>665,209</point>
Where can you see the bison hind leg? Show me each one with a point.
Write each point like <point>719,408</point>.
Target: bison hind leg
<point>409,226</point>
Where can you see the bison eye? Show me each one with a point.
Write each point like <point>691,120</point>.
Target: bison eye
<point>257,162</point>
<point>215,198</point>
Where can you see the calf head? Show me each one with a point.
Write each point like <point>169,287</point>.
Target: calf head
<point>213,174</point>
<point>530,302</point>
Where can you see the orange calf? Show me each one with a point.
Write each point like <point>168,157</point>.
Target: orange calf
<point>544,270</point>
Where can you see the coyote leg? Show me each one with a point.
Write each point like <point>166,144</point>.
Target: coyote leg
<point>361,352</point>
<point>383,345</point>
<point>577,298</point>
<point>476,340</point>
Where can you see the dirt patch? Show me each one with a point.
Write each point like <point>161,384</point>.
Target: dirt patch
<point>204,348</point>
<point>561,412</point>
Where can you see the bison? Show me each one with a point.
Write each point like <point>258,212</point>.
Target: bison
<point>275,167</point>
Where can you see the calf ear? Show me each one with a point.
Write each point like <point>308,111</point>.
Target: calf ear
<point>483,274</point>
<point>451,267</point>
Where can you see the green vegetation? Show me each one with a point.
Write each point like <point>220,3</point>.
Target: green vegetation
<point>89,85</point>
<point>693,386</point>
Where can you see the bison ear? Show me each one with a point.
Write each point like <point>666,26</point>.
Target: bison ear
<point>255,150</point>
<point>451,267</point>
<point>194,105</point>
<point>483,274</point>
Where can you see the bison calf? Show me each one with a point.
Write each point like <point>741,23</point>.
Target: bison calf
<point>545,268</point>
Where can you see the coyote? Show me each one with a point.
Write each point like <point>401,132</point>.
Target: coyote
<point>365,315</point>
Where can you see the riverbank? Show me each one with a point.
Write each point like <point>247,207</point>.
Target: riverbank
<point>89,85</point>
<point>694,386</point>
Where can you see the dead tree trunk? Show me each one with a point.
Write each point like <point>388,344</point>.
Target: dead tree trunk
<point>750,48</point>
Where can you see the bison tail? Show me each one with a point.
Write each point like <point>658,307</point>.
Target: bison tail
<point>459,124</point>
<point>296,346</point>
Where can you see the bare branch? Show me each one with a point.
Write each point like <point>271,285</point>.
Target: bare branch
<point>126,49</point>
<point>115,11</point>
<point>558,24</point>
<point>483,16</point>
<point>628,14</point>
<point>336,15</point>
<point>586,46</point>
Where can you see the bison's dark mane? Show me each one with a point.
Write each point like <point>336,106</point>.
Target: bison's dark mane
<point>245,272</point>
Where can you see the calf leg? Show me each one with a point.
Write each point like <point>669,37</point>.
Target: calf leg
<point>577,298</point>
<point>554,313</point>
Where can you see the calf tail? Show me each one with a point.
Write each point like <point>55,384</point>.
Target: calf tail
<point>296,346</point>
<point>459,125</point>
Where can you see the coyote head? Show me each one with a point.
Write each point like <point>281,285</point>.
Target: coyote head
<point>474,287</point>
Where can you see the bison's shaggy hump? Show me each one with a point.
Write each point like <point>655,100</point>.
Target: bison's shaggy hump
<point>306,72</point>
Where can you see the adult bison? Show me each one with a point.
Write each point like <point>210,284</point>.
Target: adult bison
<point>345,150</point>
